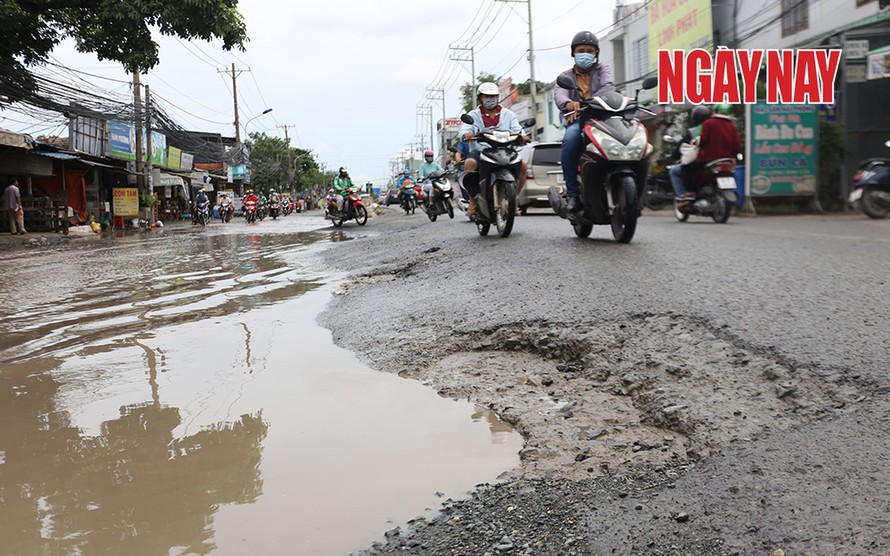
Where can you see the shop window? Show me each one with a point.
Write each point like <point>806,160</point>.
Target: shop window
<point>795,16</point>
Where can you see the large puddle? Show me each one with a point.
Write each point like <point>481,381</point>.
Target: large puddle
<point>173,394</point>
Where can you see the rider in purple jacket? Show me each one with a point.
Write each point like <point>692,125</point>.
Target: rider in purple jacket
<point>591,78</point>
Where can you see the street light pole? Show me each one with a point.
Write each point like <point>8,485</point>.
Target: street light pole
<point>266,111</point>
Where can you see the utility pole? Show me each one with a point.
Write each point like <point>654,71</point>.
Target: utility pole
<point>235,74</point>
<point>531,60</point>
<point>441,92</point>
<point>472,60</point>
<point>290,165</point>
<point>137,105</point>
<point>149,164</point>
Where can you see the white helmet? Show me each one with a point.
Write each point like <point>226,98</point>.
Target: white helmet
<point>488,88</point>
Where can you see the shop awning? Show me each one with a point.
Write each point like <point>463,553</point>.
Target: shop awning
<point>13,139</point>
<point>170,179</point>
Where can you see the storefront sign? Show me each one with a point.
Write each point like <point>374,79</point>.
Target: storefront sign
<point>174,157</point>
<point>125,201</point>
<point>187,161</point>
<point>678,24</point>
<point>879,63</point>
<point>784,150</point>
<point>239,171</point>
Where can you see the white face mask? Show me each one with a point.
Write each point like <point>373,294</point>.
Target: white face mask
<point>490,103</point>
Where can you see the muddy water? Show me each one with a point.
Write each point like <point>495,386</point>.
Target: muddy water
<point>172,394</point>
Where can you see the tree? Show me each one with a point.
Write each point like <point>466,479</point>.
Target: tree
<point>112,29</point>
<point>275,165</point>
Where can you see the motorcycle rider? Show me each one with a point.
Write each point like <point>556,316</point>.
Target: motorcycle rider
<point>683,173</point>
<point>200,200</point>
<point>405,177</point>
<point>250,198</point>
<point>593,78</point>
<point>342,183</point>
<point>428,167</point>
<point>719,136</point>
<point>489,114</point>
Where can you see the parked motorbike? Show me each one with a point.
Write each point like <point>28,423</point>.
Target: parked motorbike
<point>715,195</point>
<point>441,196</point>
<point>871,187</point>
<point>250,211</point>
<point>494,184</point>
<point>354,209</point>
<point>659,193</point>
<point>274,208</point>
<point>614,164</point>
<point>408,198</point>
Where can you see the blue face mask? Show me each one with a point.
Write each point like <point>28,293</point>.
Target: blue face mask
<point>584,60</point>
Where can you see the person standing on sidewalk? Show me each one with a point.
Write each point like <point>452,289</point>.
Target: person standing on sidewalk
<point>14,205</point>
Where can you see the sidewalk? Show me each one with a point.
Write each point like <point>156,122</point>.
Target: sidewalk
<point>9,241</point>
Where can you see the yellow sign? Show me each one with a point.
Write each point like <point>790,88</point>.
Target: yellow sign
<point>679,24</point>
<point>174,157</point>
<point>126,201</point>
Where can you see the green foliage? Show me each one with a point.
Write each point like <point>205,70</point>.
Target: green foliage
<point>147,200</point>
<point>275,165</point>
<point>113,29</point>
<point>832,150</point>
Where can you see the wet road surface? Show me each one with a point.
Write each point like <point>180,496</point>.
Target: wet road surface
<point>171,393</point>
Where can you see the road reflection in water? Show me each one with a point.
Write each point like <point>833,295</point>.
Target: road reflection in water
<point>173,395</point>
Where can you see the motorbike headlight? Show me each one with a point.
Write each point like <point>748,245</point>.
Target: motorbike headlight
<point>636,149</point>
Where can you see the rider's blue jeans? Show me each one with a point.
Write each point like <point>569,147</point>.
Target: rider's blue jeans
<point>569,157</point>
<point>676,173</point>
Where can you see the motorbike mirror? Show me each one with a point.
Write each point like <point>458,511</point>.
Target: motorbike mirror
<point>528,122</point>
<point>452,149</point>
<point>466,118</point>
<point>566,82</point>
<point>650,82</point>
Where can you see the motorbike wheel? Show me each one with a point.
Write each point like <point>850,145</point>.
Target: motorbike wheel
<point>581,229</point>
<point>504,207</point>
<point>651,199</point>
<point>624,223</point>
<point>449,207</point>
<point>679,214</point>
<point>483,228</point>
<point>875,203</point>
<point>361,216</point>
<point>721,210</point>
<point>433,216</point>
<point>338,221</point>
<point>202,219</point>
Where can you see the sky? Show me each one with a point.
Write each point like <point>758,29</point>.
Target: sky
<point>349,75</point>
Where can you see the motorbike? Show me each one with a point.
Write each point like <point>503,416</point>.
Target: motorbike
<point>408,195</point>
<point>440,199</point>
<point>274,207</point>
<point>354,209</point>
<point>225,212</point>
<point>614,164</point>
<point>494,184</point>
<point>659,193</point>
<point>715,195</point>
<point>250,211</point>
<point>871,187</point>
<point>202,212</point>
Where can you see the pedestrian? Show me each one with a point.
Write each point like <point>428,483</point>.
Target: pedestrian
<point>14,206</point>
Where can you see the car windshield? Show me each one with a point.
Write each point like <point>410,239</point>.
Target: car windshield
<point>546,156</point>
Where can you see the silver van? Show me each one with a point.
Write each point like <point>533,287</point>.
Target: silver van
<point>544,170</point>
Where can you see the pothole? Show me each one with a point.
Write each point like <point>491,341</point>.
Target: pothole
<point>648,391</point>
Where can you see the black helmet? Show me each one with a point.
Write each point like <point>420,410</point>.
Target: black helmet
<point>700,114</point>
<point>585,37</point>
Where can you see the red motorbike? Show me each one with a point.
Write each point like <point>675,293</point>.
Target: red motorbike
<point>354,209</point>
<point>250,211</point>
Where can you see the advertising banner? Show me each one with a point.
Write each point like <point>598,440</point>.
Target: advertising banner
<point>122,143</point>
<point>879,63</point>
<point>678,24</point>
<point>784,151</point>
<point>125,201</point>
<point>187,161</point>
<point>174,158</point>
